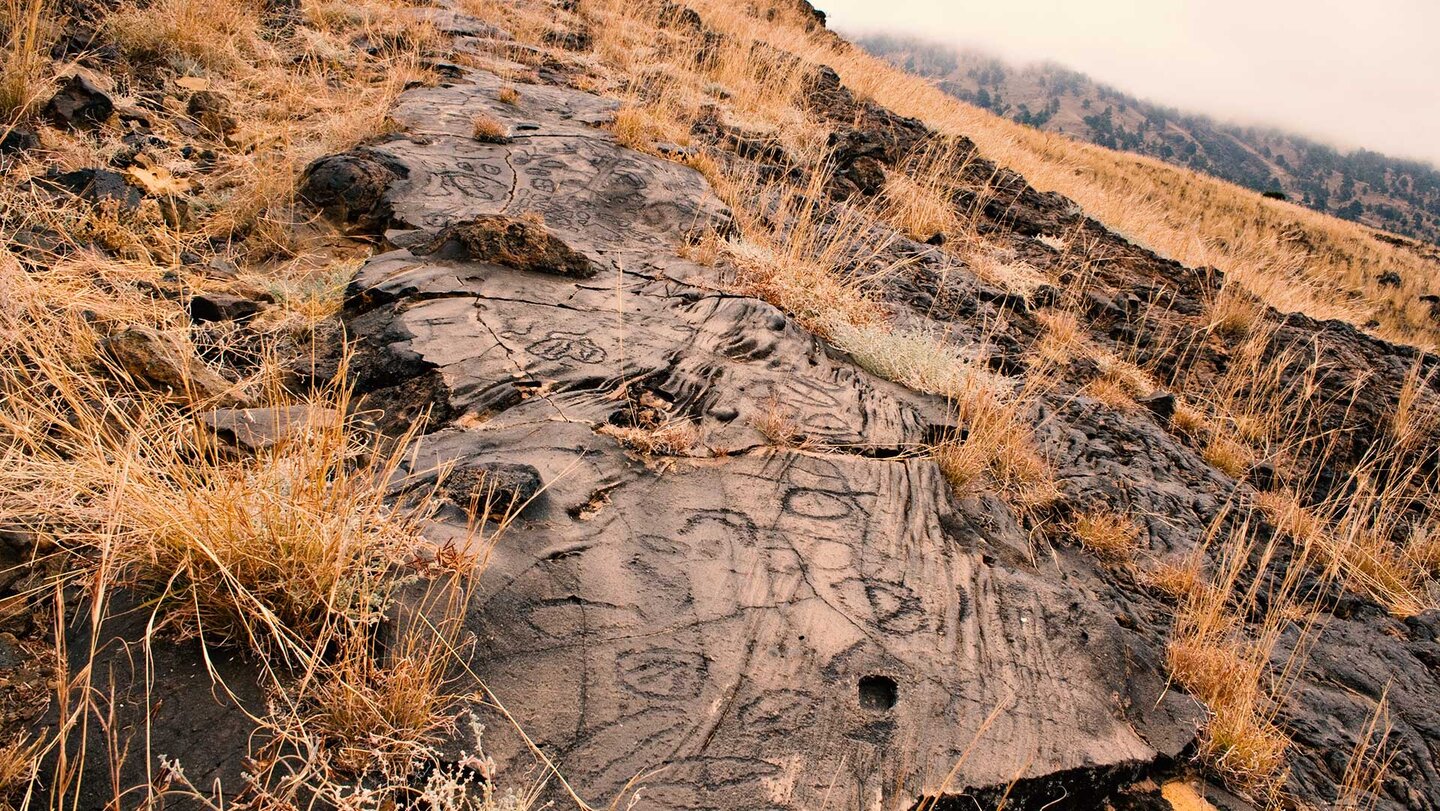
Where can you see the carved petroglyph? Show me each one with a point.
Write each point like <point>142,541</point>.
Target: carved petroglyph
<point>713,618</point>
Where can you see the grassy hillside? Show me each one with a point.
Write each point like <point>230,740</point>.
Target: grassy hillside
<point>1393,194</point>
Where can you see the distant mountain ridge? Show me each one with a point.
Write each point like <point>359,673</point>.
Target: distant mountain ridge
<point>1393,194</point>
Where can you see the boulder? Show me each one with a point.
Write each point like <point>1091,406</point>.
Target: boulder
<point>94,186</point>
<point>210,307</point>
<point>350,187</point>
<point>18,139</point>
<point>522,243</point>
<point>159,362</point>
<point>253,430</point>
<point>212,111</point>
<point>1160,403</point>
<point>78,104</point>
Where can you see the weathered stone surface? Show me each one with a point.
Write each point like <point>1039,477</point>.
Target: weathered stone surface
<point>208,307</point>
<point>18,139</point>
<point>750,626</point>
<point>257,429</point>
<point>523,244</point>
<point>94,186</point>
<point>79,103</point>
<point>212,111</point>
<point>494,487</point>
<point>350,188</point>
<point>156,360</point>
<point>727,615</point>
<point>1161,404</point>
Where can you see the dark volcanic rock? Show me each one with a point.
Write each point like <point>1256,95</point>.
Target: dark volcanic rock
<point>1161,404</point>
<point>211,110</point>
<point>520,243</point>
<point>207,307</point>
<point>493,487</point>
<point>257,429</point>
<point>157,361</point>
<point>94,186</point>
<point>350,187</point>
<point>18,139</point>
<point>79,103</point>
<point>737,613</point>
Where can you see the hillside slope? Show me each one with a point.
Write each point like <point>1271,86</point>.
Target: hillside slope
<point>1392,194</point>
<point>608,405</point>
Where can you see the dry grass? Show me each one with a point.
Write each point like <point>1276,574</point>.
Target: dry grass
<point>996,440</point>
<point>1292,258</point>
<point>920,361</point>
<point>776,422</point>
<point>1178,581</point>
<point>1233,312</point>
<point>1229,456</point>
<point>1064,338</point>
<point>292,555</point>
<point>489,129</point>
<point>24,32</point>
<point>1225,663</point>
<point>919,196</point>
<point>669,438</point>
<point>17,764</point>
<point>1111,536</point>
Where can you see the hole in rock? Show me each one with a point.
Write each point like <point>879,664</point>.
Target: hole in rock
<point>878,692</point>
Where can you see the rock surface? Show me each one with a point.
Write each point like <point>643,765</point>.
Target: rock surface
<point>740,623</point>
<point>79,103</point>
<point>760,622</point>
<point>152,359</point>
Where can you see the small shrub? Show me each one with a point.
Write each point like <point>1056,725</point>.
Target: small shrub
<point>489,129</point>
<point>1228,456</point>
<point>670,438</point>
<point>1110,536</point>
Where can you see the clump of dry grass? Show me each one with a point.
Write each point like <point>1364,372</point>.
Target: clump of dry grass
<point>24,29</point>
<point>918,198</point>
<point>488,129</point>
<point>1111,536</point>
<point>1063,339</point>
<point>995,439</point>
<point>1225,662</point>
<point>776,423</point>
<point>1233,312</point>
<point>17,764</point>
<point>669,438</point>
<point>920,361</point>
<point>1188,420</point>
<point>1228,455</point>
<point>385,712</point>
<point>188,33</point>
<point>1178,581</point>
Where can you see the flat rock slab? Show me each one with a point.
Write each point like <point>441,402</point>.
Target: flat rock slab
<point>765,626</point>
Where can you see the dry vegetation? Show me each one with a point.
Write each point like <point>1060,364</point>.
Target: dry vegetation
<point>291,553</point>
<point>286,553</point>
<point>1111,536</point>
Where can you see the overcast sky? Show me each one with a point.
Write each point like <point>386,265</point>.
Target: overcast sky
<point>1349,72</point>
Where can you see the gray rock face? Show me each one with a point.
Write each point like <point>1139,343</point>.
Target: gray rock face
<point>79,103</point>
<point>761,623</point>
<point>153,359</point>
<point>257,429</point>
